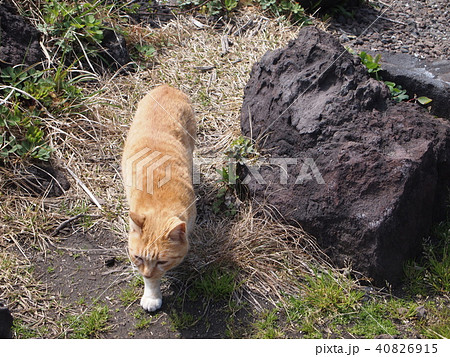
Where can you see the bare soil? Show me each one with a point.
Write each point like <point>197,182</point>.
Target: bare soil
<point>90,268</point>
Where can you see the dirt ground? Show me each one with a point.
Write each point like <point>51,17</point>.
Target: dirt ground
<point>87,269</point>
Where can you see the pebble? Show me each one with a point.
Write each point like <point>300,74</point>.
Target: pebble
<point>425,35</point>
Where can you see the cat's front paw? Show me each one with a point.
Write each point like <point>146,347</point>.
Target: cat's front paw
<point>151,304</point>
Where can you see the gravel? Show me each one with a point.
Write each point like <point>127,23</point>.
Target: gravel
<point>417,27</point>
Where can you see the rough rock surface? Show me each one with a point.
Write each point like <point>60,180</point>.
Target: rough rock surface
<point>327,4</point>
<point>19,43</point>
<point>370,177</point>
<point>421,78</point>
<point>43,179</point>
<point>6,322</point>
<point>116,53</point>
<point>19,40</point>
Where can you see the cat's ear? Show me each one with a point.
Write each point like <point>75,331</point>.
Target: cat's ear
<point>177,233</point>
<point>136,221</point>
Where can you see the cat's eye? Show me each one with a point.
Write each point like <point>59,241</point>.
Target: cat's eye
<point>138,260</point>
<point>162,262</point>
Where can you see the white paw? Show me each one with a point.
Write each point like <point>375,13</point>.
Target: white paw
<point>151,304</point>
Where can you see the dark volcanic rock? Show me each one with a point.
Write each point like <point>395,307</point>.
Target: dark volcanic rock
<point>364,176</point>
<point>6,322</point>
<point>19,40</point>
<point>43,179</point>
<point>324,5</point>
<point>115,50</point>
<point>421,78</point>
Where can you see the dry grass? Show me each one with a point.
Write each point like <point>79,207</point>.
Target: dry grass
<point>271,257</point>
<point>268,254</point>
<point>32,304</point>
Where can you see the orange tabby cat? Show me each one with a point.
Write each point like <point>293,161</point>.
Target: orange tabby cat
<point>157,173</point>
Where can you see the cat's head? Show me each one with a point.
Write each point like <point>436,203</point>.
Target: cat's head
<point>156,245</point>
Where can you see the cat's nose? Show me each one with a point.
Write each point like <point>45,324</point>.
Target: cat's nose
<point>147,272</point>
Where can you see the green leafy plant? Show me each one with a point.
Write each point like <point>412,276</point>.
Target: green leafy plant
<point>398,94</point>
<point>212,7</point>
<point>230,5</point>
<point>146,51</point>
<point>289,9</point>
<point>423,100</point>
<point>76,29</point>
<point>30,94</point>
<point>22,136</point>
<point>373,66</point>
<point>240,150</point>
<point>372,63</point>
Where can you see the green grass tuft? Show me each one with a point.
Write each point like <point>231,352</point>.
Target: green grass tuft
<point>267,326</point>
<point>90,324</point>
<point>215,284</point>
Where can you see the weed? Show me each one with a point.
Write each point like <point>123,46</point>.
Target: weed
<point>90,324</point>
<point>137,281</point>
<point>241,150</point>
<point>181,320</point>
<point>289,9</point>
<point>372,320</point>
<point>398,94</point>
<point>213,7</point>
<point>22,331</point>
<point>215,284</point>
<point>372,64</point>
<point>144,320</point>
<point>325,297</point>
<point>75,30</point>
<point>22,136</point>
<point>267,326</point>
<point>437,321</point>
<point>29,95</point>
<point>146,51</point>
<point>431,274</point>
<point>129,295</point>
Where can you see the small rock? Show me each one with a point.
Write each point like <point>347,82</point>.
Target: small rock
<point>110,262</point>
<point>19,40</point>
<point>6,322</point>
<point>421,312</point>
